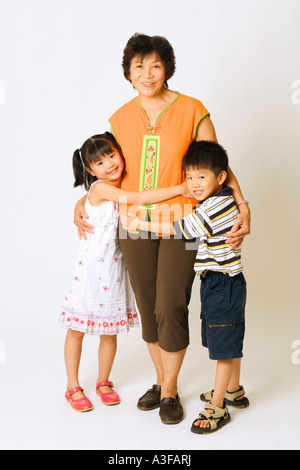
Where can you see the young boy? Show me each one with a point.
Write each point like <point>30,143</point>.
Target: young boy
<point>223,286</point>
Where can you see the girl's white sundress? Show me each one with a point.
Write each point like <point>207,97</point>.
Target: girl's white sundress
<point>100,299</point>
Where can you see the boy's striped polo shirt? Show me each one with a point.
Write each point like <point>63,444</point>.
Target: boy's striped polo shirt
<point>208,223</point>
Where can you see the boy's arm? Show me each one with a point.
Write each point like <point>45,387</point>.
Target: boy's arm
<point>134,224</point>
<point>189,228</point>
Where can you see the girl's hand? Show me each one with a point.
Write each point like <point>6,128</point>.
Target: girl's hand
<point>185,191</point>
<point>79,216</point>
<point>241,228</point>
<point>130,222</point>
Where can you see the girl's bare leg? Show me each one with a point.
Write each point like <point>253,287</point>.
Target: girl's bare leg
<point>73,348</point>
<point>106,355</point>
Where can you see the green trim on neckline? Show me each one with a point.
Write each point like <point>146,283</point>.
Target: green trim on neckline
<point>141,106</point>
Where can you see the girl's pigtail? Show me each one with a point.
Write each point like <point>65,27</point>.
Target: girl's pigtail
<point>78,169</point>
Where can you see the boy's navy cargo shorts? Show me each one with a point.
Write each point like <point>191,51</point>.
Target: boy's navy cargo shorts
<point>223,300</point>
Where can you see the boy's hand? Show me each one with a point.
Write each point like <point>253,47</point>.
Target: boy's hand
<point>130,222</point>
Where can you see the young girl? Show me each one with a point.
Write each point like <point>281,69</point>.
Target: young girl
<point>100,300</point>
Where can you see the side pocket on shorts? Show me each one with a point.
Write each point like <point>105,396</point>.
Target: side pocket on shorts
<point>215,303</point>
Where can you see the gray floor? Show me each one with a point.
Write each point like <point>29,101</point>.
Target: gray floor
<point>35,415</point>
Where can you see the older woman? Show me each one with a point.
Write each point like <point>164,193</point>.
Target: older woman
<point>154,130</point>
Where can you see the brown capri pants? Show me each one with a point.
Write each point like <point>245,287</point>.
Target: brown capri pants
<point>161,272</point>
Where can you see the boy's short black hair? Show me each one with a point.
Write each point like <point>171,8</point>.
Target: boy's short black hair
<point>205,154</point>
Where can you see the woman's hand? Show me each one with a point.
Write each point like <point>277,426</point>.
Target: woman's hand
<point>79,216</point>
<point>241,228</point>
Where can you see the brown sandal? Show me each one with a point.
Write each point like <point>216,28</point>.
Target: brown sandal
<point>230,398</point>
<point>217,413</point>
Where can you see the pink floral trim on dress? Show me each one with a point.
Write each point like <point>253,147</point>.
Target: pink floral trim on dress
<point>99,326</point>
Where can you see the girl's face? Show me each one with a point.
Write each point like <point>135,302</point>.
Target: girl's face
<point>147,75</point>
<point>109,168</point>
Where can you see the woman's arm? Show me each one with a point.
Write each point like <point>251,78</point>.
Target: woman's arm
<point>79,216</point>
<point>241,228</point>
<point>206,130</point>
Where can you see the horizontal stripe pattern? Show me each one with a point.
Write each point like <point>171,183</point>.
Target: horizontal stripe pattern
<point>209,223</point>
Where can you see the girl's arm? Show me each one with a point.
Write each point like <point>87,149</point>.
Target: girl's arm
<point>104,191</point>
<point>241,228</point>
<point>107,192</point>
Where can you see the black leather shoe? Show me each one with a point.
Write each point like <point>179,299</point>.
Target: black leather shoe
<point>151,399</point>
<point>171,411</point>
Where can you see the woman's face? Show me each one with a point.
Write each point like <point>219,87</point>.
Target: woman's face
<point>147,75</point>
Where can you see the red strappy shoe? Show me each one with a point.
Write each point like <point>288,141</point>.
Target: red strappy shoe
<point>109,398</point>
<point>81,404</point>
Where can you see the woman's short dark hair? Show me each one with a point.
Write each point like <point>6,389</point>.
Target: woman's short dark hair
<point>142,45</point>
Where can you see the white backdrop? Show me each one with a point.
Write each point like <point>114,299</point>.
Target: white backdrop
<point>60,80</point>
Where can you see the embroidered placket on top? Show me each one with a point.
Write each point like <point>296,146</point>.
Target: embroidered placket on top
<point>149,164</point>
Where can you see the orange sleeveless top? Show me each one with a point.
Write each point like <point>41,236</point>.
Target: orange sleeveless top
<point>153,154</point>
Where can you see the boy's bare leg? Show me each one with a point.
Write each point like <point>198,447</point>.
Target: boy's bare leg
<point>224,372</point>
<point>234,383</point>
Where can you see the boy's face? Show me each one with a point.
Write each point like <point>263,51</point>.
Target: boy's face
<point>203,183</point>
